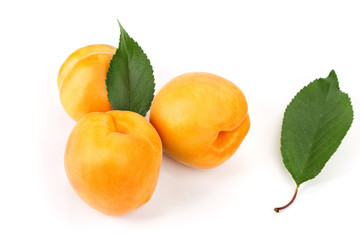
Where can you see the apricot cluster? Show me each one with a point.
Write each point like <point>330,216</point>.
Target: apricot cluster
<point>113,158</point>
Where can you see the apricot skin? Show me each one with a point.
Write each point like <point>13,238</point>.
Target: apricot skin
<point>201,119</point>
<point>112,161</point>
<point>81,81</point>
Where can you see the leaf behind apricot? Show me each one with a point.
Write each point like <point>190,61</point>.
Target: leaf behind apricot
<point>130,80</point>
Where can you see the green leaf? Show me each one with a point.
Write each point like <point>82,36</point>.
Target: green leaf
<point>130,79</point>
<point>314,124</point>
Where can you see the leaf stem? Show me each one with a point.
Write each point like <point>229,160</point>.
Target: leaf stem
<point>291,201</point>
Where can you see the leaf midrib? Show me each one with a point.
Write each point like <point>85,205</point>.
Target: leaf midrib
<point>313,135</point>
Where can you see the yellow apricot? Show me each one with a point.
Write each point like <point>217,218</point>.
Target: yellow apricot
<point>81,80</point>
<point>201,119</point>
<point>112,161</point>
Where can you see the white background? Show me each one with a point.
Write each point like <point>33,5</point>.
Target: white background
<point>270,49</point>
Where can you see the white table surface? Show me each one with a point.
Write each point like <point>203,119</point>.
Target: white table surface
<point>270,49</point>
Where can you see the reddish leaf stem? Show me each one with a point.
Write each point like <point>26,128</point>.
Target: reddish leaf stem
<point>291,201</point>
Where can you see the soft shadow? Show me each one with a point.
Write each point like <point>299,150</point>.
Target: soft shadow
<point>180,186</point>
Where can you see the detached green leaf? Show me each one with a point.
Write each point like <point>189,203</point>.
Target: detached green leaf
<point>130,81</point>
<point>314,124</point>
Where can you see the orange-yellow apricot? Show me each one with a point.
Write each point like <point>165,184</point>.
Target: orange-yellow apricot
<point>112,161</point>
<point>201,119</point>
<point>81,80</point>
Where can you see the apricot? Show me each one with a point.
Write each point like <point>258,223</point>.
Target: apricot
<point>112,161</point>
<point>201,119</point>
<point>81,80</point>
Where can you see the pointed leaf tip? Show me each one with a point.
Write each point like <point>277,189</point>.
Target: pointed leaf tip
<point>121,27</point>
<point>332,74</point>
<point>332,77</point>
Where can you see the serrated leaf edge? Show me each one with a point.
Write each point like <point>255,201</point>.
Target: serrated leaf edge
<point>142,110</point>
<point>331,74</point>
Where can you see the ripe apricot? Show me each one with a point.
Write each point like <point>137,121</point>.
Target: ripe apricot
<point>201,119</point>
<point>81,80</point>
<point>112,161</point>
